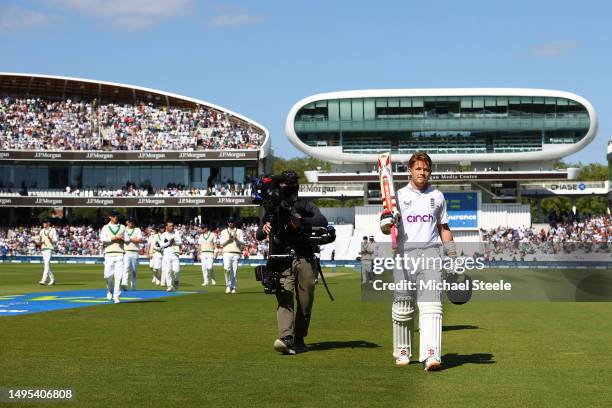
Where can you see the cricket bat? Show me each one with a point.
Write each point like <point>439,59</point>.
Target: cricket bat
<point>387,191</point>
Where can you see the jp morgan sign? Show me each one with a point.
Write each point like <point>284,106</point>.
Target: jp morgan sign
<point>118,202</point>
<point>199,155</point>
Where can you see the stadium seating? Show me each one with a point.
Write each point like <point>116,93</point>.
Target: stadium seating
<point>39,124</point>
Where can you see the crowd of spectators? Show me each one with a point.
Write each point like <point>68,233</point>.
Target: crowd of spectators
<point>39,124</point>
<point>131,190</point>
<point>566,236</point>
<point>85,240</point>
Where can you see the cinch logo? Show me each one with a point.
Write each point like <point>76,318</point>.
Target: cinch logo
<point>420,218</point>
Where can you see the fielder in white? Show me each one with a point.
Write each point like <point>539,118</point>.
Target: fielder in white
<point>47,238</point>
<point>112,237</point>
<point>422,233</point>
<point>133,239</point>
<point>154,253</point>
<point>232,241</point>
<point>170,244</point>
<point>206,249</point>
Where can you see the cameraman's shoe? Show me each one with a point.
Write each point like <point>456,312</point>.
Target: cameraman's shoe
<point>285,345</point>
<point>300,346</point>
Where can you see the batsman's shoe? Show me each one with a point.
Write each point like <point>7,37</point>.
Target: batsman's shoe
<point>233,290</point>
<point>432,364</point>
<point>170,289</point>
<point>116,301</point>
<point>109,296</point>
<point>205,284</point>
<point>285,345</point>
<point>51,283</point>
<point>41,283</point>
<point>153,280</point>
<point>213,282</point>
<point>228,289</point>
<point>402,361</point>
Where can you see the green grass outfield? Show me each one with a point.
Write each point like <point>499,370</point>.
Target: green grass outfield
<point>212,349</point>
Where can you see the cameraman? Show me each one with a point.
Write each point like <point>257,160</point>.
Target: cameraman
<point>297,273</point>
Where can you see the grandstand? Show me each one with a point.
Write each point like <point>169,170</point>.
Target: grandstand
<point>70,142</point>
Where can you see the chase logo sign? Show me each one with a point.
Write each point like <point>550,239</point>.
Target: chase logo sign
<point>15,305</point>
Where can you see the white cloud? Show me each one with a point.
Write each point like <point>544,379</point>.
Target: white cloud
<point>15,18</point>
<point>131,14</point>
<point>231,16</point>
<point>553,49</point>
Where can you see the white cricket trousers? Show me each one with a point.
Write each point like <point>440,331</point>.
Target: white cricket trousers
<point>207,266</point>
<point>230,267</point>
<point>47,272</point>
<point>171,266</point>
<point>130,262</point>
<point>113,272</point>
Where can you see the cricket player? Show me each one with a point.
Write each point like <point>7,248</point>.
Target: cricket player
<point>154,253</point>
<point>47,238</point>
<point>206,249</point>
<point>133,239</point>
<point>232,240</point>
<point>367,254</point>
<point>162,229</point>
<point>113,238</point>
<point>423,232</point>
<point>171,249</point>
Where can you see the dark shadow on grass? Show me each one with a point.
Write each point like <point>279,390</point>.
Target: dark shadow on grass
<point>330,345</point>
<point>455,360</point>
<point>460,327</point>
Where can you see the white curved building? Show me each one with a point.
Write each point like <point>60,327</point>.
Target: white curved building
<point>476,125</point>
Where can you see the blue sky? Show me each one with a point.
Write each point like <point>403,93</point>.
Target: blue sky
<point>260,57</point>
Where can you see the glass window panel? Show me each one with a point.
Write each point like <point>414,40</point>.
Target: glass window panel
<point>225,174</point>
<point>561,102</point>
<point>321,104</point>
<point>502,101</point>
<point>526,100</point>
<point>135,174</point>
<point>405,103</point>
<point>357,108</point>
<point>478,102</point>
<point>381,103</point>
<point>196,175</point>
<point>393,103</point>
<point>345,109</point>
<point>156,177</point>
<point>466,102</point>
<point>551,101</point>
<point>538,100</point>
<point>489,101</point>
<point>333,110</point>
<point>369,109</point>
<point>205,175</point>
<point>239,174</point>
<point>417,102</point>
